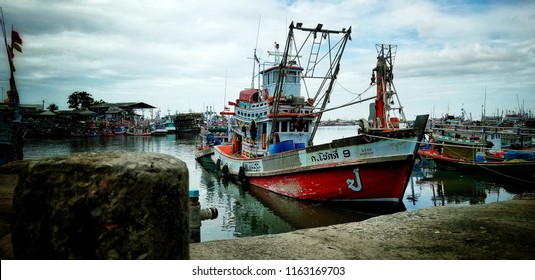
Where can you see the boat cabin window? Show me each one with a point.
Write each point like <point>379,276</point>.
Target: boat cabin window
<point>284,126</point>
<point>293,77</point>
<point>299,125</point>
<point>267,79</point>
<point>271,77</point>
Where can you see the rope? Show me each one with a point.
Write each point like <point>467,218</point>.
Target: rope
<point>352,102</point>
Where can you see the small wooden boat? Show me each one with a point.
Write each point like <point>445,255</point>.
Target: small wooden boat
<point>107,132</point>
<point>509,165</point>
<point>120,130</point>
<point>138,132</point>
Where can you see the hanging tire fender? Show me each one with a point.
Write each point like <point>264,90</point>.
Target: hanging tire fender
<point>225,171</point>
<point>242,178</point>
<point>241,174</point>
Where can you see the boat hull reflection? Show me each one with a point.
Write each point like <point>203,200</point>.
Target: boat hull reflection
<point>431,187</point>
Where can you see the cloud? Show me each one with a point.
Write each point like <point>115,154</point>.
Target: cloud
<point>183,56</point>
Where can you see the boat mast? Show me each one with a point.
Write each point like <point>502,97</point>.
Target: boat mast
<point>288,60</point>
<point>14,96</point>
<point>280,82</point>
<point>332,73</point>
<point>255,58</point>
<point>383,76</point>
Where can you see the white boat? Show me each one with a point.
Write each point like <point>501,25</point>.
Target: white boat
<point>158,129</point>
<point>169,126</point>
<point>215,131</point>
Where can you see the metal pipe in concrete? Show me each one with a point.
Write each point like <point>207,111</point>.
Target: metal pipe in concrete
<point>196,215</point>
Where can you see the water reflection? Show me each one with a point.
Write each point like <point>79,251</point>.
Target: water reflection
<point>429,187</point>
<point>254,211</point>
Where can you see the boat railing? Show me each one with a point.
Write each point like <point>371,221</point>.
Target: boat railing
<point>485,130</point>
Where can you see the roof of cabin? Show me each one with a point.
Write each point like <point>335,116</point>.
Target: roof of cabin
<point>248,95</point>
<point>277,66</point>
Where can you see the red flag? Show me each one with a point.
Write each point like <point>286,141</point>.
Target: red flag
<point>15,37</point>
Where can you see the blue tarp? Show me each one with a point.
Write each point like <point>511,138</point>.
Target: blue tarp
<point>520,155</point>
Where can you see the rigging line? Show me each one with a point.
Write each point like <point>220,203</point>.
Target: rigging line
<point>352,101</point>
<point>317,62</point>
<point>354,93</point>
<point>341,106</point>
<point>399,102</point>
<point>329,52</point>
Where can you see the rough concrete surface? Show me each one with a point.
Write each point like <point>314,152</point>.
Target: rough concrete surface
<point>493,231</point>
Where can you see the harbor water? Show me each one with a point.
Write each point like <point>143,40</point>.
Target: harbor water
<point>254,211</point>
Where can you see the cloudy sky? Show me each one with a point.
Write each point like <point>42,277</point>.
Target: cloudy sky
<point>181,56</point>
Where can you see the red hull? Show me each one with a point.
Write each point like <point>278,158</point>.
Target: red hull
<point>378,182</point>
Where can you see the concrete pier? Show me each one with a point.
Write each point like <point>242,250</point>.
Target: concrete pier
<point>495,231</point>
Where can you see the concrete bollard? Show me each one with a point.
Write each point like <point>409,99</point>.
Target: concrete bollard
<point>113,205</point>
<point>196,215</point>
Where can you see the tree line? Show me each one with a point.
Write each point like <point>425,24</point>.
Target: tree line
<point>78,100</point>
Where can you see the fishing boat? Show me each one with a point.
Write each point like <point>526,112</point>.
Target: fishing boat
<point>273,129</point>
<point>138,132</point>
<point>480,148</point>
<point>215,131</point>
<point>169,126</point>
<point>479,155</point>
<point>158,129</point>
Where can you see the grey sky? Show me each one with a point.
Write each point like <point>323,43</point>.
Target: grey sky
<point>179,55</point>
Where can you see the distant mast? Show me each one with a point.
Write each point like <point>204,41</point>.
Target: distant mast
<point>13,95</point>
<point>256,60</point>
